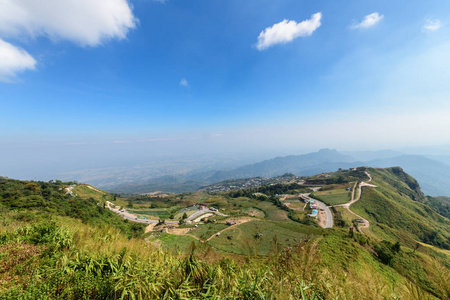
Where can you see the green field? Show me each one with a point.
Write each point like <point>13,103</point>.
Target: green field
<point>347,216</point>
<point>274,234</point>
<point>204,231</point>
<point>272,212</point>
<point>188,211</point>
<point>155,213</point>
<point>291,200</point>
<point>177,243</point>
<point>254,212</point>
<point>333,197</point>
<point>296,204</point>
<point>85,192</point>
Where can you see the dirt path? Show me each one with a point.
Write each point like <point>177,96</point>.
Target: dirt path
<point>131,217</point>
<point>185,231</point>
<point>296,208</point>
<point>193,236</point>
<point>178,231</point>
<point>149,228</point>
<point>203,217</point>
<point>366,223</point>
<point>238,222</point>
<point>353,190</point>
<point>95,189</point>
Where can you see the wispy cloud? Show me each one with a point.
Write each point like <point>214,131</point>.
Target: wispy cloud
<point>184,82</point>
<point>13,60</point>
<point>431,25</point>
<point>368,21</point>
<point>286,31</point>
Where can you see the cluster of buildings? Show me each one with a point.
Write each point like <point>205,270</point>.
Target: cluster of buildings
<point>239,184</point>
<point>235,185</point>
<point>313,206</point>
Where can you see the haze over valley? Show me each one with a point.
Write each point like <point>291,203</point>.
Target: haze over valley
<point>179,149</point>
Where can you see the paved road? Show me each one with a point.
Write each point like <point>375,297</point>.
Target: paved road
<point>329,216</point>
<point>134,218</point>
<point>329,221</point>
<point>198,213</point>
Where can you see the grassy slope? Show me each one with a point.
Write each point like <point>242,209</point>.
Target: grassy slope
<point>71,260</point>
<point>42,199</point>
<point>245,242</point>
<point>333,197</point>
<point>88,260</point>
<point>86,192</point>
<point>395,213</point>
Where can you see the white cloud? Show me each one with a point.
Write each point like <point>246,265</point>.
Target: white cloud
<point>184,82</point>
<point>85,22</point>
<point>286,31</point>
<point>13,60</point>
<point>431,25</point>
<point>369,21</point>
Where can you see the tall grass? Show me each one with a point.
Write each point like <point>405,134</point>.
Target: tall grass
<point>77,261</point>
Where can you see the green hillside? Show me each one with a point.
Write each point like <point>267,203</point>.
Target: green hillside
<point>43,200</point>
<point>60,245</point>
<point>397,209</point>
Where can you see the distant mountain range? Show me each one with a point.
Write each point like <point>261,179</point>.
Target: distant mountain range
<point>432,174</point>
<point>305,165</point>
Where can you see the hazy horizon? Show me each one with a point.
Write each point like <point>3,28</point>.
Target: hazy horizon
<point>123,83</point>
<point>62,165</point>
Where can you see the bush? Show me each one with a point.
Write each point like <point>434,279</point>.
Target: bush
<point>386,251</point>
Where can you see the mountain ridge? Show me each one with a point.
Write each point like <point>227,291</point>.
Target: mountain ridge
<point>433,175</point>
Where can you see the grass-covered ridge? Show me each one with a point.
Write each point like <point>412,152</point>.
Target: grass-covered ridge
<point>62,258</point>
<point>59,199</point>
<point>396,208</point>
<point>70,247</point>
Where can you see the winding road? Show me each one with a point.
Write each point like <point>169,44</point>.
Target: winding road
<point>132,217</point>
<point>366,222</point>
<point>198,213</point>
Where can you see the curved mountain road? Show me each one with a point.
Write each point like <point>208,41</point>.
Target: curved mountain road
<point>134,218</point>
<point>366,223</point>
<point>329,216</point>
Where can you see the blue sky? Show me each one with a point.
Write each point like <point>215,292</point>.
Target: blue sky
<point>147,78</point>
